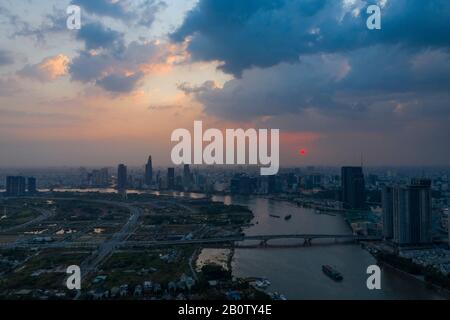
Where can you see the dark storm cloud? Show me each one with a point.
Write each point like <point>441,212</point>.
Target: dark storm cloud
<point>289,56</point>
<point>335,84</point>
<point>263,33</point>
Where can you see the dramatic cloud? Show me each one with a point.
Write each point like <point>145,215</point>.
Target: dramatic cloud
<point>341,85</point>
<point>112,71</point>
<point>313,66</point>
<point>263,33</point>
<point>302,56</point>
<point>49,69</point>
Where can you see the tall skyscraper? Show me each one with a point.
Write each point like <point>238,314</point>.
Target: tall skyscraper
<point>171,178</point>
<point>15,186</point>
<point>411,213</point>
<point>148,179</point>
<point>122,177</point>
<point>353,188</point>
<point>387,199</point>
<point>419,206</point>
<point>31,185</point>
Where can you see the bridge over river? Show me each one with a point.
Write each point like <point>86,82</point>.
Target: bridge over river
<point>263,239</point>
<point>232,240</point>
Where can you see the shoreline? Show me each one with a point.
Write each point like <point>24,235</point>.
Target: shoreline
<point>421,279</point>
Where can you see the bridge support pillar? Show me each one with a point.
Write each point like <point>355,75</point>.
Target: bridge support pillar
<point>307,242</point>
<point>263,243</point>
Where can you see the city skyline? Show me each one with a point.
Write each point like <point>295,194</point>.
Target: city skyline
<point>233,152</point>
<point>137,70</point>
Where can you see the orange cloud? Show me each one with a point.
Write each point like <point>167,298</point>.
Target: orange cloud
<point>49,69</point>
<point>55,66</point>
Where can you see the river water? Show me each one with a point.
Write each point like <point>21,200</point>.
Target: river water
<point>296,272</point>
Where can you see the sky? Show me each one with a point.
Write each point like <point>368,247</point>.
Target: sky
<point>113,91</point>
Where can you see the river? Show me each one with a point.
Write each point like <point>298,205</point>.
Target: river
<point>296,272</point>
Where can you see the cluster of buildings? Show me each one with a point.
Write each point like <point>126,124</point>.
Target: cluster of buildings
<point>406,208</point>
<point>185,182</point>
<point>17,186</point>
<point>173,289</point>
<point>99,178</point>
<point>437,258</point>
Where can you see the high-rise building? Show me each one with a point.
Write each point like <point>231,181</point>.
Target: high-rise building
<point>171,178</point>
<point>420,213</point>
<point>15,186</point>
<point>31,185</point>
<point>187,177</point>
<point>148,179</point>
<point>387,198</point>
<point>411,213</point>
<point>122,177</point>
<point>353,188</point>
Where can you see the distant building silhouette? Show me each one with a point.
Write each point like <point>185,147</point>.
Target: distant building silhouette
<point>122,177</point>
<point>243,184</point>
<point>171,178</point>
<point>148,179</point>
<point>411,213</point>
<point>187,177</point>
<point>15,186</point>
<point>99,178</point>
<point>353,188</point>
<point>272,184</point>
<point>31,185</point>
<point>387,199</point>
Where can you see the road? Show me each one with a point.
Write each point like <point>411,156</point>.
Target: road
<point>107,247</point>
<point>44,214</point>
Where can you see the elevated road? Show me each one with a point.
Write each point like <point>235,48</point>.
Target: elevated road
<point>119,240</point>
